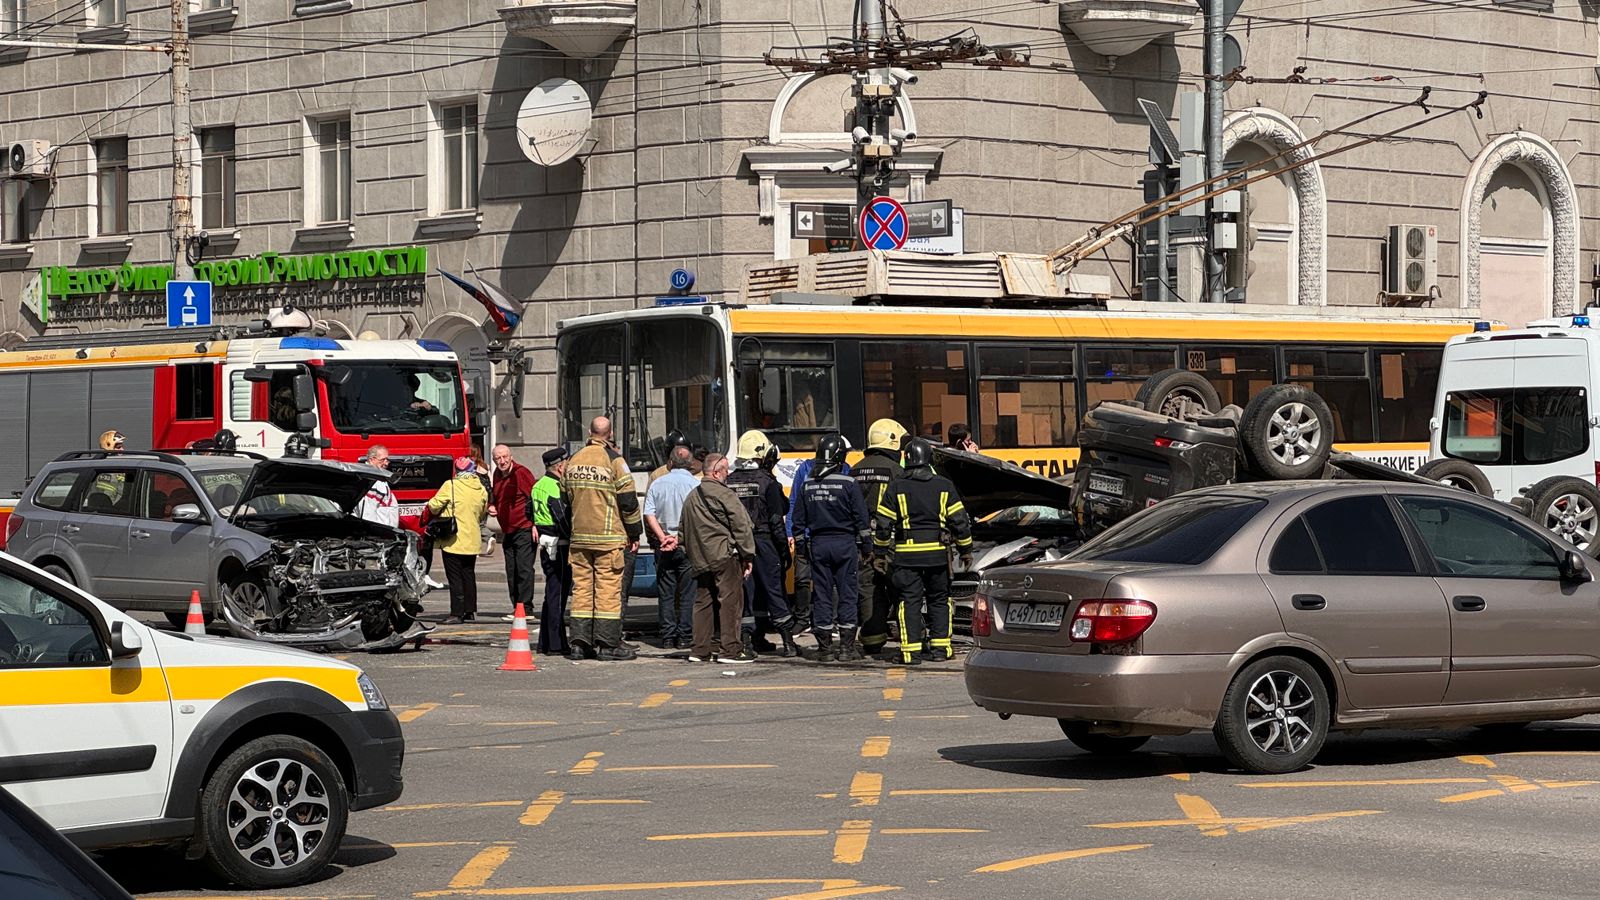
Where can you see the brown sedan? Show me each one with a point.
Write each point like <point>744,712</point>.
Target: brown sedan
<point>1272,613</point>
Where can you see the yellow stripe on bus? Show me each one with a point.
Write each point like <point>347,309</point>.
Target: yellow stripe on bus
<point>97,684</point>
<point>902,323</point>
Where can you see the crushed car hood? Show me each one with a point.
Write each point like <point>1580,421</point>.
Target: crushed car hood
<point>342,483</point>
<point>988,485</point>
<point>1374,471</point>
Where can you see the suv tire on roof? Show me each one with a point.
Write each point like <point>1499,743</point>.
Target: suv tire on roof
<point>273,813</point>
<point>1099,744</point>
<point>1458,473</point>
<point>1274,717</point>
<point>1286,433</point>
<point>1177,392</point>
<point>1569,508</point>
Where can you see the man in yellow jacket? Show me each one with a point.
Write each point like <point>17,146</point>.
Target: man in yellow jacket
<point>606,522</point>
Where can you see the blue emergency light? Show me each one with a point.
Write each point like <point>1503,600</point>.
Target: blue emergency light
<point>309,343</point>
<point>1580,321</point>
<point>435,345</point>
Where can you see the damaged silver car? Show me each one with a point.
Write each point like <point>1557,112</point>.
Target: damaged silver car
<point>270,544</point>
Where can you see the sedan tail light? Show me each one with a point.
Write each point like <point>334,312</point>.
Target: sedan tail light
<point>1109,621</point>
<point>982,620</point>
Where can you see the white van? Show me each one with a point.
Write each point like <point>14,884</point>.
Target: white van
<point>1520,406</point>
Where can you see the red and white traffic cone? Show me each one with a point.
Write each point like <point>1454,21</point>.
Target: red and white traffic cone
<point>519,653</point>
<point>196,623</point>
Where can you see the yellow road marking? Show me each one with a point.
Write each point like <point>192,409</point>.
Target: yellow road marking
<point>684,768</point>
<point>840,892</point>
<point>724,835</point>
<point>866,788</point>
<point>1382,782</point>
<point>655,700</point>
<point>933,792</point>
<point>1514,784</point>
<point>479,869</point>
<point>875,747</point>
<point>896,674</point>
<point>1472,795</point>
<point>850,842</point>
<point>1011,865</point>
<point>827,796</point>
<point>678,683</point>
<point>1199,813</point>
<point>1179,776</point>
<point>422,806</point>
<point>894,693</point>
<point>540,809</point>
<point>1477,761</point>
<point>588,764</point>
<point>886,714</point>
<point>1510,784</point>
<point>417,712</point>
<point>616,888</point>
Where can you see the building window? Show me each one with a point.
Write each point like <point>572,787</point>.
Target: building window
<point>457,162</point>
<point>329,188</point>
<point>15,217</point>
<point>216,187</point>
<point>111,186</point>
<point>105,13</point>
<point>215,4</point>
<point>13,15</point>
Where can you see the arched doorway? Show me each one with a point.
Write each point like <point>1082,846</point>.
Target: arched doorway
<point>11,340</point>
<point>1290,211</point>
<point>1520,232</point>
<point>466,337</point>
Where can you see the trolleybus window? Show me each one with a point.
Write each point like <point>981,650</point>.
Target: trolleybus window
<point>1340,376</point>
<point>805,375</point>
<point>1115,373</point>
<point>1238,373</point>
<point>676,384</point>
<point>920,384</point>
<point>1407,381</point>
<point>1027,396</point>
<point>590,360</point>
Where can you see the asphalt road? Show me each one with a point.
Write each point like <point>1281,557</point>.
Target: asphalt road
<point>784,779</point>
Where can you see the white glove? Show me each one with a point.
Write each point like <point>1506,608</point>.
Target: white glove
<point>549,543</point>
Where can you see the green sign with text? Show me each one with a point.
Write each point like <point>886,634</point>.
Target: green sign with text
<point>253,271</point>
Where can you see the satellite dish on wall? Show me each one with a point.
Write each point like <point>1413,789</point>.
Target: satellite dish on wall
<point>553,122</point>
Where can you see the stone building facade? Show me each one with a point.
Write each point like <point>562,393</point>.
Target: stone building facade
<point>364,145</point>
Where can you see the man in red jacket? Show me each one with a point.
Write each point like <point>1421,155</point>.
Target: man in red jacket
<point>513,484</point>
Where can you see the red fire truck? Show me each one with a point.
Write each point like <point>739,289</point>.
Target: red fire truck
<point>60,393</point>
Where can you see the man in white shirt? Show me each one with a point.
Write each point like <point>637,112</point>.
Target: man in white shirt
<point>379,504</point>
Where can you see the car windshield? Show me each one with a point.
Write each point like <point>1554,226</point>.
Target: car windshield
<point>1183,531</point>
<point>225,486</point>
<point>393,397</point>
<point>1027,515</point>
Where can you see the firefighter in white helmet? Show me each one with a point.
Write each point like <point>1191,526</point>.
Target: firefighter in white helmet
<point>879,466</point>
<point>765,604</point>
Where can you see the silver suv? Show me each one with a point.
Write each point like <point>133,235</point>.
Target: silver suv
<point>270,544</point>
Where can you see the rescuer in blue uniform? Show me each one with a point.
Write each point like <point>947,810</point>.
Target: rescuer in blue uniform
<point>831,520</point>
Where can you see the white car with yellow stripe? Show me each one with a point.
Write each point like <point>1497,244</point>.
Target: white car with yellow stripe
<point>252,756</point>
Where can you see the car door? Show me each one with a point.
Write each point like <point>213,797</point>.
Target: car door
<point>167,559</point>
<point>86,740</point>
<point>96,528</point>
<point>1519,631</point>
<point>1343,577</point>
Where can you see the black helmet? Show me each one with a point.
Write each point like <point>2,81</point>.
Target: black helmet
<point>830,455</point>
<point>675,438</point>
<point>225,441</point>
<point>919,453</point>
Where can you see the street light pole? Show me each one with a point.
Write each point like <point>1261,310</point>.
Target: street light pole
<point>182,145</point>
<point>1216,26</point>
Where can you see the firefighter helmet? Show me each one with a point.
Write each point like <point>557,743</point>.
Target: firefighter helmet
<point>754,445</point>
<point>112,440</point>
<point>919,453</point>
<point>830,455</point>
<point>885,434</point>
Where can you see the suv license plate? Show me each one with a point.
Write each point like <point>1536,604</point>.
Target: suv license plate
<point>1105,484</point>
<point>1043,616</point>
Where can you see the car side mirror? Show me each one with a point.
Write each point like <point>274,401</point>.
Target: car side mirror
<point>1573,567</point>
<point>771,392</point>
<point>305,392</point>
<point>125,642</point>
<point>257,375</point>
<point>305,421</point>
<point>187,512</point>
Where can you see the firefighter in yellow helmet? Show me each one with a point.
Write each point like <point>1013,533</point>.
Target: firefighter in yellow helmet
<point>879,466</point>
<point>766,606</point>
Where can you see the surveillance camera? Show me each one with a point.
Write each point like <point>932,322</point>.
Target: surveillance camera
<point>860,135</point>
<point>839,167</point>
<point>904,76</point>
<point>900,134</point>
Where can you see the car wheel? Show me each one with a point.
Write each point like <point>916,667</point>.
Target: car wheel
<point>1458,473</point>
<point>1177,393</point>
<point>1099,744</point>
<point>273,813</point>
<point>249,598</point>
<point>1567,507</point>
<point>1274,717</point>
<point>59,571</point>
<point>1287,432</point>
<point>177,619</point>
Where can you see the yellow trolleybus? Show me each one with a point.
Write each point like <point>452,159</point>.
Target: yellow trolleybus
<point>1019,379</point>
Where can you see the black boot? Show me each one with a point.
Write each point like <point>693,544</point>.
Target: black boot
<point>760,644</point>
<point>824,649</point>
<point>786,634</point>
<point>620,653</point>
<point>575,652</point>
<point>848,652</point>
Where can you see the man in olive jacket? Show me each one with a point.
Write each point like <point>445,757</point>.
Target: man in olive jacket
<point>721,544</point>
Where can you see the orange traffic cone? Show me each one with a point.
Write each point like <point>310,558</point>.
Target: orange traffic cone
<point>196,623</point>
<point>519,654</point>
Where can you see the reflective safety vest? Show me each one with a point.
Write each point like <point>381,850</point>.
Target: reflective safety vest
<point>919,517</point>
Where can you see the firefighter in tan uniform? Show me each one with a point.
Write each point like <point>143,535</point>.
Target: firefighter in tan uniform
<point>606,522</point>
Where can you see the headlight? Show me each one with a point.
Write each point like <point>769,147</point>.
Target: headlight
<point>370,691</point>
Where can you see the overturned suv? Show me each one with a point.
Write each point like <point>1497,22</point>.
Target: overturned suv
<point>270,544</point>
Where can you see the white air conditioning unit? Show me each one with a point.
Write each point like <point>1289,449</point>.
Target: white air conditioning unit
<point>29,159</point>
<point>1413,260</point>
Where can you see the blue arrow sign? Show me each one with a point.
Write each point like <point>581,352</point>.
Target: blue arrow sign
<point>883,224</point>
<point>188,303</point>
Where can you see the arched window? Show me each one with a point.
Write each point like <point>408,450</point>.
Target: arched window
<point>1289,211</point>
<point>1519,232</point>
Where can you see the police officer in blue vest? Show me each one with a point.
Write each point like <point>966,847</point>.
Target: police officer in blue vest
<point>831,521</point>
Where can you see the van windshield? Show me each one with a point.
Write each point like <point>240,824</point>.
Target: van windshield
<point>1516,426</point>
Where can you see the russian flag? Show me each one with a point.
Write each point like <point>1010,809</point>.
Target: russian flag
<point>505,311</point>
